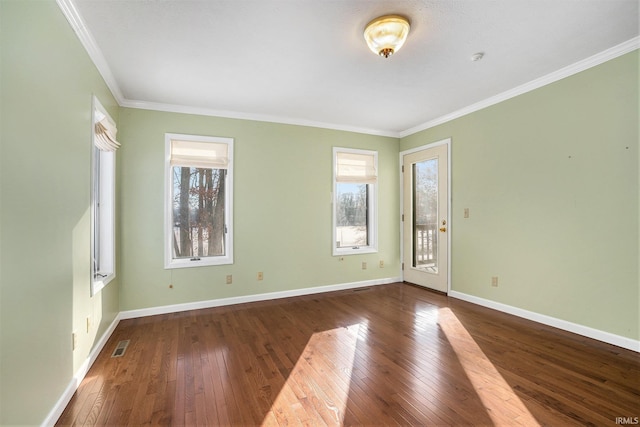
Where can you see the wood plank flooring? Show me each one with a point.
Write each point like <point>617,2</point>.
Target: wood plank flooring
<point>386,355</point>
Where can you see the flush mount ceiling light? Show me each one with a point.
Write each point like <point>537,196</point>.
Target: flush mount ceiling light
<point>386,34</point>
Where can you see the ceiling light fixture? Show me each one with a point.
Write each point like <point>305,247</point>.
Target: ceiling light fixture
<point>386,34</point>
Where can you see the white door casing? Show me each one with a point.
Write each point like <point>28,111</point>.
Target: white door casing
<point>426,222</point>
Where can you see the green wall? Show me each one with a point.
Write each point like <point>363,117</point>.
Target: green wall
<point>550,178</point>
<point>282,210</point>
<point>46,83</point>
<point>551,181</point>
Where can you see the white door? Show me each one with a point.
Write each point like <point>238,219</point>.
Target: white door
<point>425,207</point>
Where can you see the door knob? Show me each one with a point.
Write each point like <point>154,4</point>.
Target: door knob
<point>443,229</point>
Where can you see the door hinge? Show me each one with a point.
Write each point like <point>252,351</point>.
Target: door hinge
<point>402,168</point>
<point>402,217</point>
<point>403,265</point>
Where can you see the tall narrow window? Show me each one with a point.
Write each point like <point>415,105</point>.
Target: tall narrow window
<point>103,198</point>
<point>354,201</point>
<point>198,201</point>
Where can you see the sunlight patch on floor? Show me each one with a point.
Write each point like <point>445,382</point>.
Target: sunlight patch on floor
<point>502,404</point>
<point>319,382</point>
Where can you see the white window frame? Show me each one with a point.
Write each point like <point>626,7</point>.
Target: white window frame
<point>372,209</point>
<point>103,190</point>
<point>227,258</point>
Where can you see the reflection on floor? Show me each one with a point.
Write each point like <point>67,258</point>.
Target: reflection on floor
<point>391,354</point>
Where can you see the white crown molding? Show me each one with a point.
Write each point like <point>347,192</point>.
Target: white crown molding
<point>86,39</point>
<point>585,331</point>
<point>77,24</point>
<point>173,108</point>
<point>75,20</point>
<point>585,64</point>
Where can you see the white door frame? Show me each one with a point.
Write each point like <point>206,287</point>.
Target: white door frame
<point>446,142</point>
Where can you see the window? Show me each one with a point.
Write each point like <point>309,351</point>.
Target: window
<point>354,201</point>
<point>198,201</point>
<point>103,198</point>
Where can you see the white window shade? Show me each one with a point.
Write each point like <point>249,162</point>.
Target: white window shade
<point>104,133</point>
<point>199,154</point>
<point>356,167</point>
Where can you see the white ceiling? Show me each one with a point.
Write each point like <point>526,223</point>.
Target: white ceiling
<point>306,62</point>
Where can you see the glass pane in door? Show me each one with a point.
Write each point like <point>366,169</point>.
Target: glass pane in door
<point>425,215</point>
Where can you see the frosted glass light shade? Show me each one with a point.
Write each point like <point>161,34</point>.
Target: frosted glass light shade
<point>386,35</point>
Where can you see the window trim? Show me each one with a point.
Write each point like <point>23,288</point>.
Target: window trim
<point>372,208</point>
<point>103,168</point>
<point>169,261</point>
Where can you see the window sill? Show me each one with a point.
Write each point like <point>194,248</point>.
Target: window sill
<point>98,284</point>
<point>204,262</point>
<point>352,251</point>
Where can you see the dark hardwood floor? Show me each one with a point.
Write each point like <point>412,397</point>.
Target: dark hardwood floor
<point>392,354</point>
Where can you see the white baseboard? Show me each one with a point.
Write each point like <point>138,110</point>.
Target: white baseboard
<point>64,400</point>
<point>62,403</point>
<point>585,331</point>
<point>175,308</point>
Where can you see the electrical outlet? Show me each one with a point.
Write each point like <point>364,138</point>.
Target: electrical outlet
<point>260,276</point>
<point>494,281</point>
<point>381,264</point>
<point>229,279</point>
<point>364,265</point>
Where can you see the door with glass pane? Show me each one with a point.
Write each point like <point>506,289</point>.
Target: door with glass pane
<point>426,217</point>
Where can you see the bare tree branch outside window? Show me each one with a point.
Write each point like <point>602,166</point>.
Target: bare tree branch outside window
<point>198,212</point>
